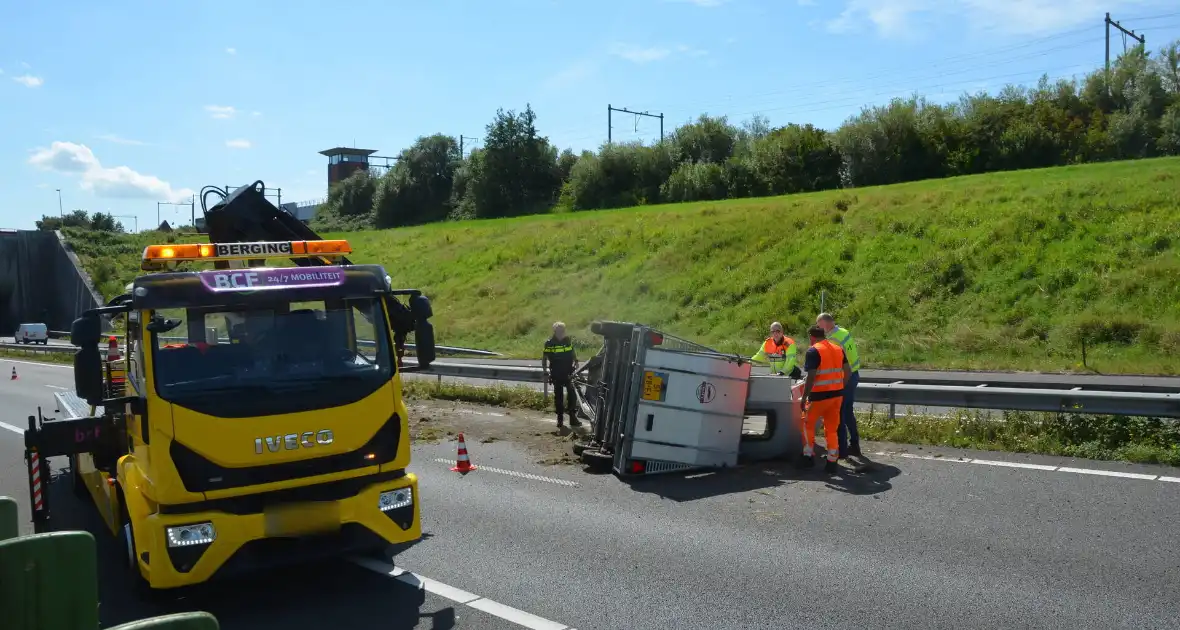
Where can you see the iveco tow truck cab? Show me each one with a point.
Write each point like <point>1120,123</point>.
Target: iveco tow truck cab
<point>259,419</point>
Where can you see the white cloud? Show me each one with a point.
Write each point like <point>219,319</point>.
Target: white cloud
<point>29,80</point>
<point>255,114</point>
<point>702,3</point>
<point>116,182</point>
<point>231,51</point>
<point>221,111</point>
<point>897,18</point>
<point>238,144</point>
<point>117,139</point>
<point>572,74</point>
<point>639,54</point>
<point>636,54</point>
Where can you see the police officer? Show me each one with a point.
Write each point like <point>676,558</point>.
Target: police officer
<point>779,351</point>
<point>559,362</point>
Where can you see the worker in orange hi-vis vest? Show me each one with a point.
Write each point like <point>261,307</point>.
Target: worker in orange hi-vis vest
<point>779,351</point>
<point>823,393</point>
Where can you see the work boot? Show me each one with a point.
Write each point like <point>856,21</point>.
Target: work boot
<point>831,467</point>
<point>806,461</point>
<point>560,420</point>
<point>574,422</point>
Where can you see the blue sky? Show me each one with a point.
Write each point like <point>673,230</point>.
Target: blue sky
<point>123,104</point>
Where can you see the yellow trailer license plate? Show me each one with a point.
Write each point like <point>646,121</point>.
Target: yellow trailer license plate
<point>302,519</point>
<point>655,385</point>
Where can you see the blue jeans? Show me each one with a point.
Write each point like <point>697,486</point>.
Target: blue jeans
<point>848,418</point>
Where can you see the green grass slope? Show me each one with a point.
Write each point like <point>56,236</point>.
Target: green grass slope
<point>999,271</point>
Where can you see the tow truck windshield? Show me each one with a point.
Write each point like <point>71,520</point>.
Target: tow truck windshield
<point>217,355</point>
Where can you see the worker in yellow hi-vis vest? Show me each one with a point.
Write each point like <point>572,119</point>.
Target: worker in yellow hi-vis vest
<point>779,351</point>
<point>849,436</point>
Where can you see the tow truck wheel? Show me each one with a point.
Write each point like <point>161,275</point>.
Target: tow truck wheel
<point>127,542</point>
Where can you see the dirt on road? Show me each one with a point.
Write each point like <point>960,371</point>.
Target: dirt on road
<point>433,421</point>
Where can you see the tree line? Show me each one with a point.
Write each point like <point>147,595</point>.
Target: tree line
<point>1134,112</point>
<point>99,221</point>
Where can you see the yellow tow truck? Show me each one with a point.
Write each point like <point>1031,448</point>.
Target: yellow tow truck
<point>255,417</point>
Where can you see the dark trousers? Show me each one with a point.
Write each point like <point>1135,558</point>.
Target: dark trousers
<point>848,431</point>
<point>562,386</point>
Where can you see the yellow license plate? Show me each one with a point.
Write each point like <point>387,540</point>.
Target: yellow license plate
<point>302,519</point>
<point>655,385</point>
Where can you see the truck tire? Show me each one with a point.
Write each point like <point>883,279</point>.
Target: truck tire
<point>141,587</point>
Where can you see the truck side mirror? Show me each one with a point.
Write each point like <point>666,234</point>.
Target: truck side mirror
<point>87,361</point>
<point>423,330</point>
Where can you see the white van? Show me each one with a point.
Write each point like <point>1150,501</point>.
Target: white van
<point>33,333</point>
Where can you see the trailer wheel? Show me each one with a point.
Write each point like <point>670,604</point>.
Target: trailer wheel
<point>597,461</point>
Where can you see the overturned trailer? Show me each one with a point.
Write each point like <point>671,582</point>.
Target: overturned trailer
<point>659,403</point>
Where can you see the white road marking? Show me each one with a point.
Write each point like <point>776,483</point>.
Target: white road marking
<point>989,462</point>
<point>1107,473</point>
<point>460,596</point>
<point>56,387</point>
<point>1044,467</point>
<point>55,365</point>
<point>513,473</point>
<point>5,425</point>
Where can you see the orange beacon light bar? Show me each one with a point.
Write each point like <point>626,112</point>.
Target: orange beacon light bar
<point>155,256</point>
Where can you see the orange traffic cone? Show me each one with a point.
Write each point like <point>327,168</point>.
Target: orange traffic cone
<point>14,376</point>
<point>462,461</point>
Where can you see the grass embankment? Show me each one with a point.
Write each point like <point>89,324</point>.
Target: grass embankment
<point>1005,271</point>
<point>1000,271</point>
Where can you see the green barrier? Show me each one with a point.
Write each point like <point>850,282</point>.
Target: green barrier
<point>9,521</point>
<point>180,621</point>
<point>49,582</point>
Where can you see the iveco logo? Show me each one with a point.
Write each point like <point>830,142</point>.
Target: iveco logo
<point>293,441</point>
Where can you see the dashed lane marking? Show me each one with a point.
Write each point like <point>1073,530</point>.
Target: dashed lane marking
<point>460,596</point>
<point>5,425</point>
<point>513,473</point>
<point>1043,467</point>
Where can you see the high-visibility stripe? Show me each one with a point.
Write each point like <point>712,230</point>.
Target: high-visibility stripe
<point>35,472</point>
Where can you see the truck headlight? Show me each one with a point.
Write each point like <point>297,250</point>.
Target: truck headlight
<point>394,499</point>
<point>195,534</point>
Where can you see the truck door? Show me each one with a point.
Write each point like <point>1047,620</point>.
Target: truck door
<point>690,409</point>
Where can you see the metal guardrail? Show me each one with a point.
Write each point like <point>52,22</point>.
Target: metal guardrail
<point>1159,405</point>
<point>1105,402</point>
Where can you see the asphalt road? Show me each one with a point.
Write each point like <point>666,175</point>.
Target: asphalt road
<point>918,543</point>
